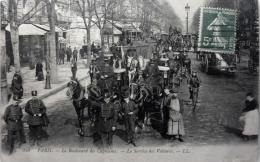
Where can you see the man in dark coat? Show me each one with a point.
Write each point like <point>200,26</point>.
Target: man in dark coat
<point>93,48</point>
<point>93,70</point>
<point>69,53</point>
<point>75,54</point>
<point>17,85</point>
<point>194,83</point>
<point>13,117</point>
<point>130,111</point>
<point>107,120</point>
<point>39,71</point>
<point>62,55</point>
<point>37,117</point>
<point>74,68</point>
<point>94,96</point>
<point>165,109</point>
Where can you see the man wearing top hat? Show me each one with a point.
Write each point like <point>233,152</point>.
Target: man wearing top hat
<point>130,111</point>
<point>37,117</point>
<point>13,117</point>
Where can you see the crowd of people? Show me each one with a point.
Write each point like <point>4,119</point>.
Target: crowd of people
<point>146,98</point>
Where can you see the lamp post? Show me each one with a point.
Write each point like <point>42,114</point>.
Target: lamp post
<point>187,9</point>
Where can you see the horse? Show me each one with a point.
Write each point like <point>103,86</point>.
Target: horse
<point>77,93</point>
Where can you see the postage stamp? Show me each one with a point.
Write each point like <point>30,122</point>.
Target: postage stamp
<point>217,31</point>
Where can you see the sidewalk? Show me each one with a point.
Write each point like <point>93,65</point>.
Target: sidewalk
<point>64,75</point>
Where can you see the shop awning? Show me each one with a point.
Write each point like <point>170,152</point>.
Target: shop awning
<point>28,29</point>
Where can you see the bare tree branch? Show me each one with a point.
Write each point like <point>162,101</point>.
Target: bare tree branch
<point>24,19</point>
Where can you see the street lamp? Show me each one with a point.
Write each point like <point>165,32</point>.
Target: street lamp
<point>187,9</point>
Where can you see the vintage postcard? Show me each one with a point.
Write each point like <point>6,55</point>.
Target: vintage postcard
<point>129,80</point>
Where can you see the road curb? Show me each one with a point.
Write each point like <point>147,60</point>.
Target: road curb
<point>58,89</point>
<point>45,95</point>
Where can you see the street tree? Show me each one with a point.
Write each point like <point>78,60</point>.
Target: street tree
<point>102,8</point>
<point>16,18</point>
<point>3,76</point>
<point>51,42</point>
<point>86,10</point>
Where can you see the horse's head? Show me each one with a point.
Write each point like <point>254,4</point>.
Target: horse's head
<point>73,85</point>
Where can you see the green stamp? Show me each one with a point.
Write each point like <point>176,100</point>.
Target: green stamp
<point>217,32</point>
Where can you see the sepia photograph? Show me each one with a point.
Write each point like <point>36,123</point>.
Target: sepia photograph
<point>129,80</point>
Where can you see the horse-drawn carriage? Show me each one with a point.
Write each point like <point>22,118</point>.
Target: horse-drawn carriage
<point>133,69</point>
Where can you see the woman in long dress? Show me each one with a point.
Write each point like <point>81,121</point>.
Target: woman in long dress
<point>250,117</point>
<point>175,123</point>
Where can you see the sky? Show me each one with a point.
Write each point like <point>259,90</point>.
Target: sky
<point>179,8</point>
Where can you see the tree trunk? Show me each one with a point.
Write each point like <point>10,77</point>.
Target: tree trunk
<point>12,13</point>
<point>3,77</point>
<point>89,41</point>
<point>53,63</point>
<point>102,40</point>
<point>89,47</point>
<point>15,44</point>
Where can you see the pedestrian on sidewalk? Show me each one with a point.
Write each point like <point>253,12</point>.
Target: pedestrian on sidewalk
<point>37,118</point>
<point>250,117</point>
<point>69,53</point>
<point>175,123</point>
<point>17,85</point>
<point>73,68</point>
<point>75,54</point>
<point>62,55</point>
<point>39,71</point>
<point>13,117</point>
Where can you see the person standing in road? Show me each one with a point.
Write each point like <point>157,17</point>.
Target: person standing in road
<point>193,82</point>
<point>250,117</point>
<point>175,123</point>
<point>130,111</point>
<point>165,109</point>
<point>37,118</point>
<point>74,68</point>
<point>75,54</point>
<point>93,48</point>
<point>93,70</point>
<point>107,120</point>
<point>13,117</point>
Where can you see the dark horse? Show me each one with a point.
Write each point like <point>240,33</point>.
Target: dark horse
<point>77,93</point>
